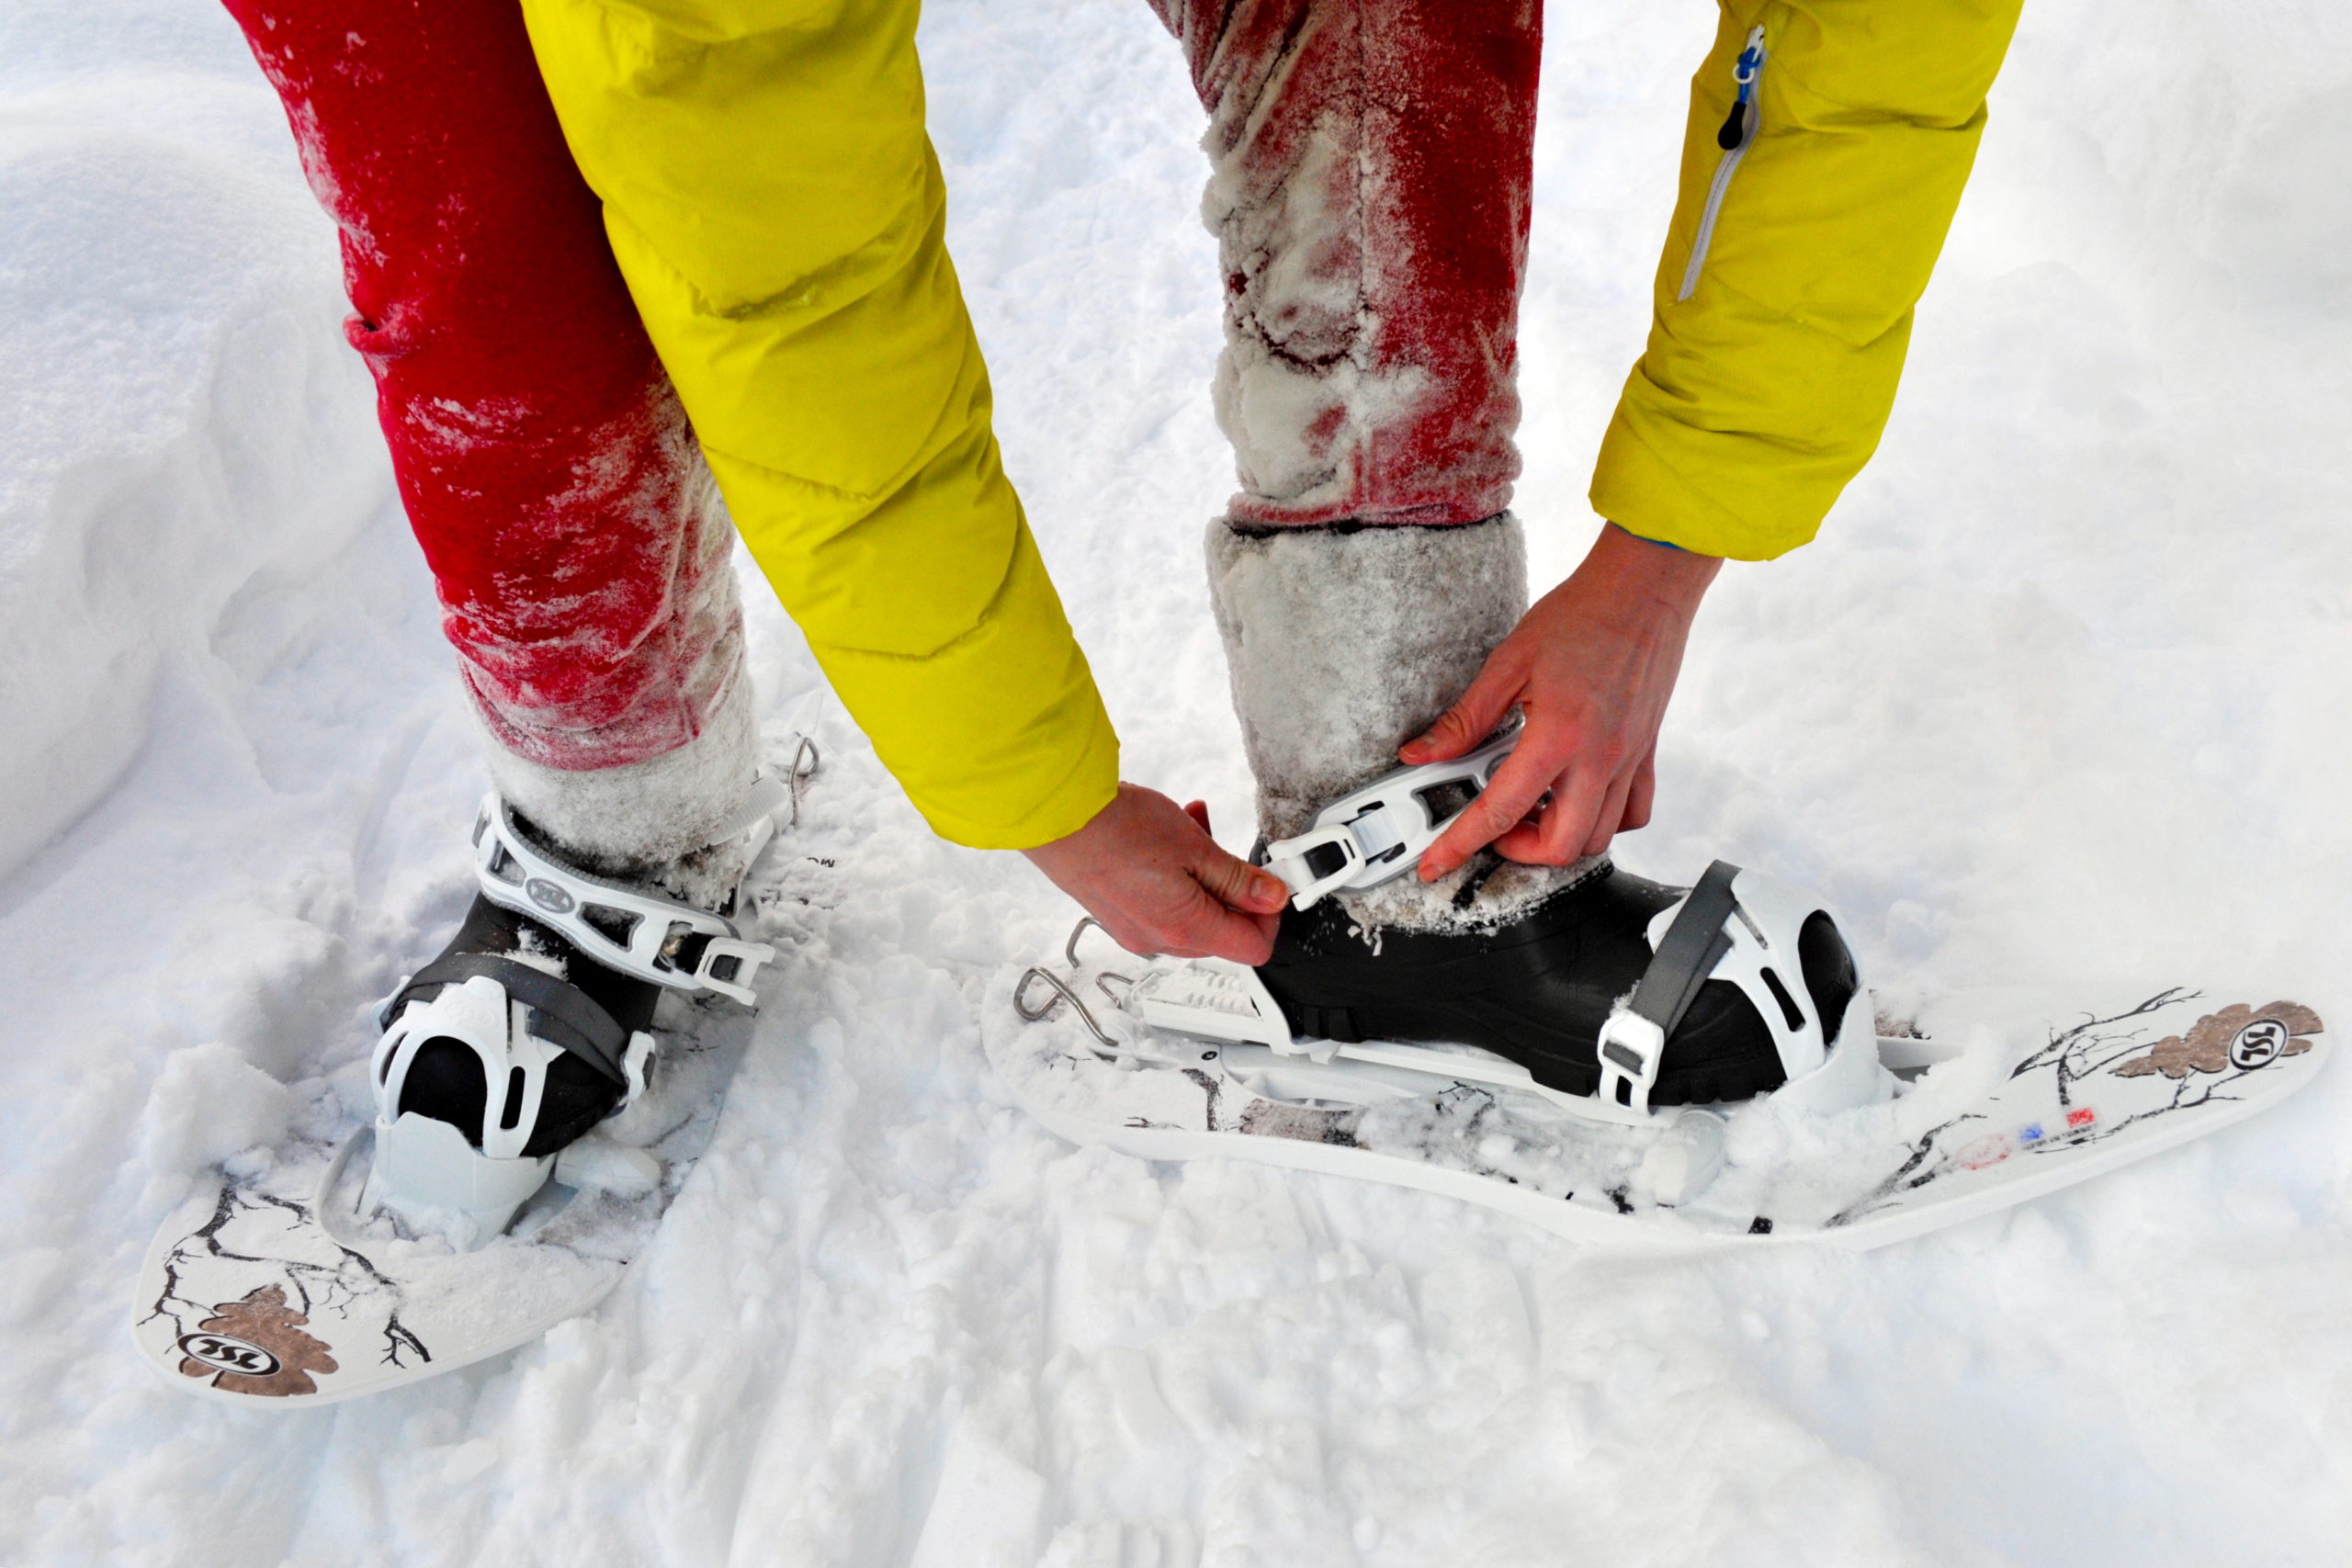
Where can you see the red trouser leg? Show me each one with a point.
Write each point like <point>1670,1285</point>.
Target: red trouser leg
<point>543,458</point>
<point>1371,164</point>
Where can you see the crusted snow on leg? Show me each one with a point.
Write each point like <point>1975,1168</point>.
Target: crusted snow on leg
<point>658,821</point>
<point>641,793</point>
<point>1369,190</point>
<point>1300,390</point>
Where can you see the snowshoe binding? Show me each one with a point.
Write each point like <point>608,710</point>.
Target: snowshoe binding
<point>536,1023</point>
<point>1583,1065</point>
<point>1616,996</point>
<point>531,1124</point>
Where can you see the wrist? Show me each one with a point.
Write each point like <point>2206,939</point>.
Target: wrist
<point>1653,568</point>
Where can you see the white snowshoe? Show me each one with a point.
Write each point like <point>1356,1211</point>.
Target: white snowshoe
<point>1591,1065</point>
<point>532,1124</point>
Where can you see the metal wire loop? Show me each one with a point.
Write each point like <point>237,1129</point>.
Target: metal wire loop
<point>795,774</point>
<point>1062,993</point>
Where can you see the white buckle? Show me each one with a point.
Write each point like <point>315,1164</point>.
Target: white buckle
<point>1380,830</point>
<point>1287,859</point>
<point>634,1061</point>
<point>748,956</point>
<point>1629,1050</point>
<point>638,933</point>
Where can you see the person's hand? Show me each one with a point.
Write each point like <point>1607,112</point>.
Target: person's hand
<point>1591,665</point>
<point>1150,873</point>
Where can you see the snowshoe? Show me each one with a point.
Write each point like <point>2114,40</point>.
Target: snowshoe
<point>1585,1065</point>
<point>547,997</point>
<point>535,1115</point>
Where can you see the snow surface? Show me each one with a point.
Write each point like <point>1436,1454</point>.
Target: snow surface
<point>2062,691</point>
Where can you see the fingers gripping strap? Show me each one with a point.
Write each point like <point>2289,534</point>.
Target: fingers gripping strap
<point>566,1016</point>
<point>1694,944</point>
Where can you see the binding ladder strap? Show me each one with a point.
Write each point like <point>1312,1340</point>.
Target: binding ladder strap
<point>1363,839</point>
<point>1635,1037</point>
<point>562,1014</point>
<point>1694,944</point>
<point>638,933</point>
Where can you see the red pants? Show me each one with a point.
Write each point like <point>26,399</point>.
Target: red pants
<point>1371,163</point>
<point>544,461</point>
<point>1370,192</point>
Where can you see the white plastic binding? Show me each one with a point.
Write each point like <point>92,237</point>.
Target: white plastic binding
<point>1380,830</point>
<point>636,932</point>
<point>1211,999</point>
<point>422,1166</point>
<point>1766,920</point>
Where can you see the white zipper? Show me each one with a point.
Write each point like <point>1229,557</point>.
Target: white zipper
<point>1736,136</point>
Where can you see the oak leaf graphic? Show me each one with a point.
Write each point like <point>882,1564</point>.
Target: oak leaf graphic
<point>2206,1047</point>
<point>263,1318</point>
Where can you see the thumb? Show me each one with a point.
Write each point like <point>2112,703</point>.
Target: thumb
<point>1238,884</point>
<point>1471,720</point>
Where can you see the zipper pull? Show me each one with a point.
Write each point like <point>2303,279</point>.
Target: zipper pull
<point>1734,133</point>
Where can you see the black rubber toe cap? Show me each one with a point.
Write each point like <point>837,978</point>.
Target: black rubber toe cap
<point>1536,989</point>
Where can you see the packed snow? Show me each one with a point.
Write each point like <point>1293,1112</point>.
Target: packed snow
<point>2064,690</point>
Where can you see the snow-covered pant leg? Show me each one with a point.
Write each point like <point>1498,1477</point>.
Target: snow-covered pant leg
<point>1371,164</point>
<point>1343,644</point>
<point>544,462</point>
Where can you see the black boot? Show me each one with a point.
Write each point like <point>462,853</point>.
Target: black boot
<point>444,1079</point>
<point>1537,987</point>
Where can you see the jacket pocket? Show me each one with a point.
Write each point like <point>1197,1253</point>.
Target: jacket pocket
<point>1738,133</point>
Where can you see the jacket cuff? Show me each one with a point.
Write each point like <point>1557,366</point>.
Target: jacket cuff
<point>1640,483</point>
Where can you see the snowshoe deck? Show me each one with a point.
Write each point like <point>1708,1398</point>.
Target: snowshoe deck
<point>271,1290</point>
<point>2034,1090</point>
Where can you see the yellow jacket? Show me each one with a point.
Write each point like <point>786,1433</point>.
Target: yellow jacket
<point>780,220</point>
<point>779,217</point>
<point>1768,378</point>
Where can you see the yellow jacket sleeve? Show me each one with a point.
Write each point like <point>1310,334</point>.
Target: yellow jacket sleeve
<point>1784,298</point>
<point>780,218</point>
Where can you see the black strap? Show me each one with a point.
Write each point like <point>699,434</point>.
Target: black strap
<point>1695,943</point>
<point>567,1015</point>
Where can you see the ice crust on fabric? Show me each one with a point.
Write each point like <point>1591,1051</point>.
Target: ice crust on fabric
<point>1369,189</point>
<point>657,821</point>
<point>1342,643</point>
<point>1297,391</point>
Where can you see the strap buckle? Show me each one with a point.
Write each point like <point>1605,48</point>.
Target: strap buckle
<point>1631,1049</point>
<point>670,943</point>
<point>728,966</point>
<point>1364,839</point>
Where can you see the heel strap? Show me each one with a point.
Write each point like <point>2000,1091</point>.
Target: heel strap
<point>666,941</point>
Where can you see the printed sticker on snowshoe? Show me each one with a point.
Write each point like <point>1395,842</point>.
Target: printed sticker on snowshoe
<point>2104,1087</point>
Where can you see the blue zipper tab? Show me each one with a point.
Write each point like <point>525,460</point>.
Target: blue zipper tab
<point>1738,133</point>
<point>1741,124</point>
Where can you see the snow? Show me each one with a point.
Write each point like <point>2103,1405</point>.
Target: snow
<point>2059,693</point>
